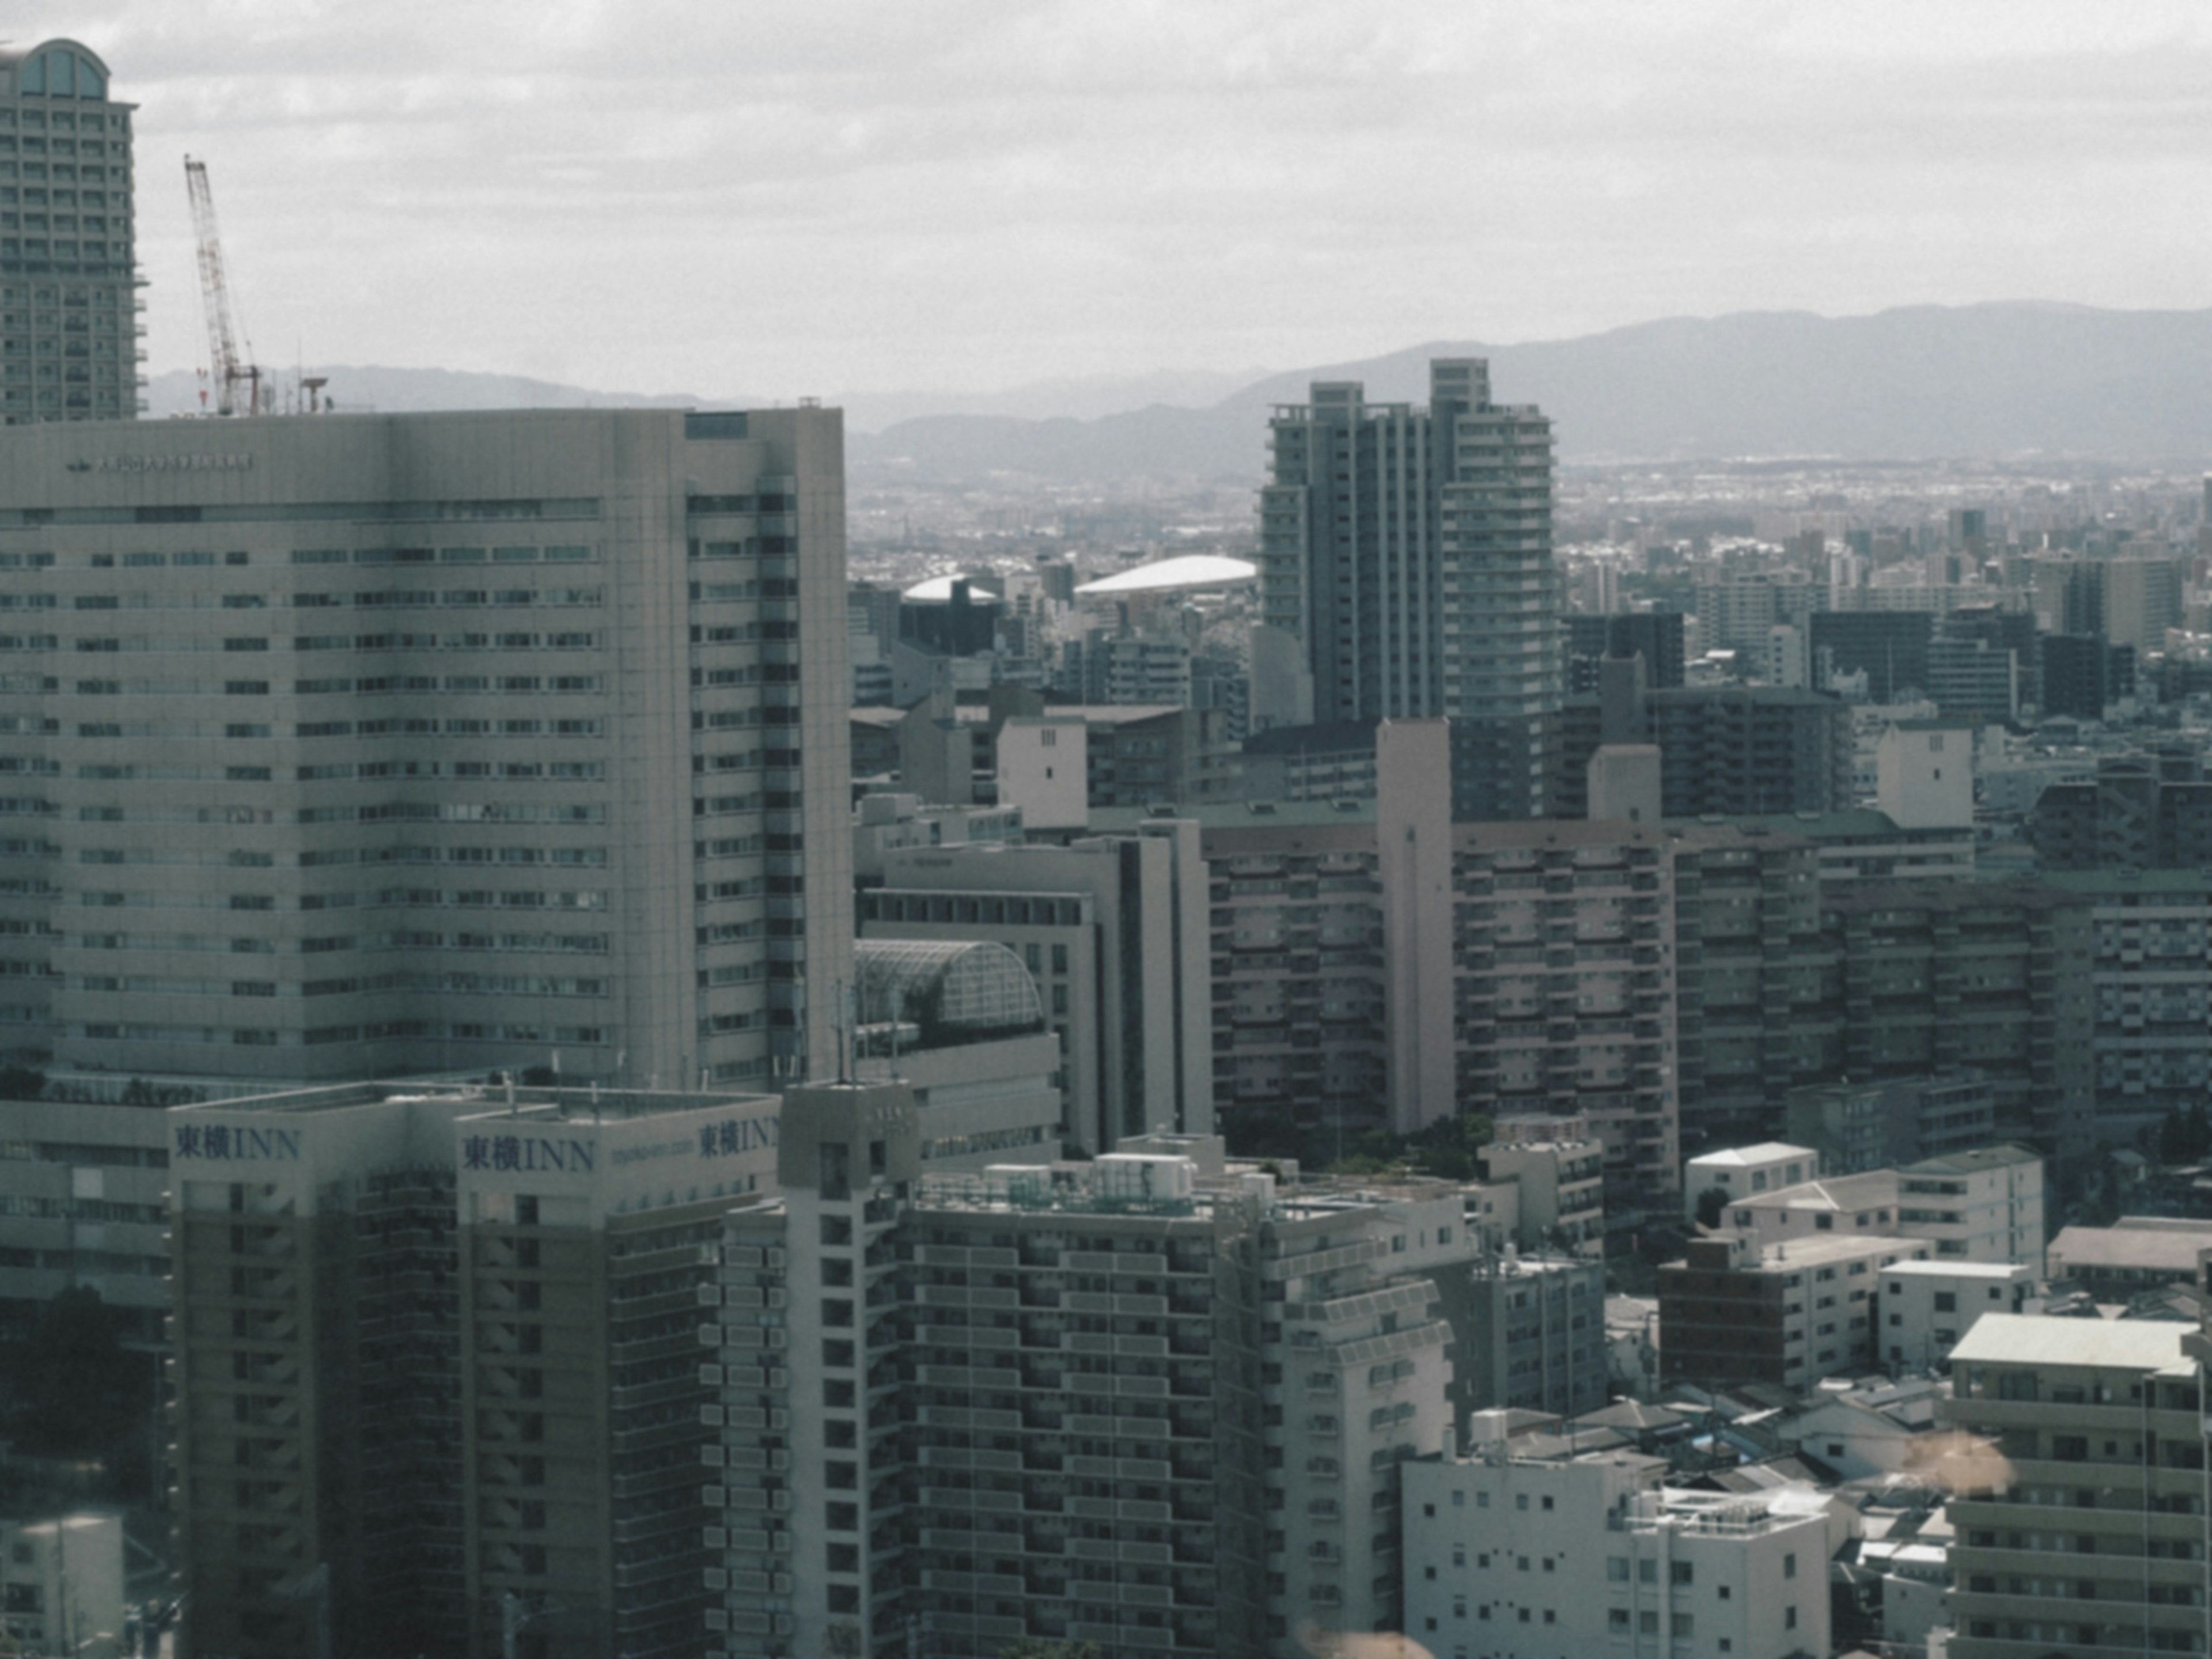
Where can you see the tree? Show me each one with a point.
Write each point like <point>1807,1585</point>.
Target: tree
<point>1710,1203</point>
<point>79,1392</point>
<point>1452,1147</point>
<point>2186,1136</point>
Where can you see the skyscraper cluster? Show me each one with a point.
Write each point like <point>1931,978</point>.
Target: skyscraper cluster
<point>1409,552</point>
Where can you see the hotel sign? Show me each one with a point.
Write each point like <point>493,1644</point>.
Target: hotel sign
<point>221,1143</point>
<point>141,463</point>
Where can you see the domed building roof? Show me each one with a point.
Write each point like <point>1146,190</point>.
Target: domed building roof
<point>1193,571</point>
<point>957,990</point>
<point>938,590</point>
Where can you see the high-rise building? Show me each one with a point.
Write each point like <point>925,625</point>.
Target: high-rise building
<point>1410,550</point>
<point>2099,1422</point>
<point>435,1349</point>
<point>1141,1401</point>
<point>361,745</point>
<point>2146,811</point>
<point>69,273</point>
<point>1654,635</point>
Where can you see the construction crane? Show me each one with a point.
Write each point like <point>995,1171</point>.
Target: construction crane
<point>226,368</point>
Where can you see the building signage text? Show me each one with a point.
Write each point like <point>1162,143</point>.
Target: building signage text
<point>733,1135</point>
<point>528,1153</point>
<point>136,463</point>
<point>222,1144</point>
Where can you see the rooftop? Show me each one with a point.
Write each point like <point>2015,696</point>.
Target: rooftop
<point>581,1104</point>
<point>2105,884</point>
<point>1860,823</point>
<point>2026,1340</point>
<point>1766,1151</point>
<point>1836,1193</point>
<point>1980,1157</point>
<point>955,990</point>
<point>1196,570</point>
<point>2157,1249</point>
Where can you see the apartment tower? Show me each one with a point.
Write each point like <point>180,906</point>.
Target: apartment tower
<point>1410,550</point>
<point>69,273</point>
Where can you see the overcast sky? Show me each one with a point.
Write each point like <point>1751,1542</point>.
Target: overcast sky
<point>870,195</point>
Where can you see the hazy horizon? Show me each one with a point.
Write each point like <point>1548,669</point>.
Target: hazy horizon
<point>984,195</point>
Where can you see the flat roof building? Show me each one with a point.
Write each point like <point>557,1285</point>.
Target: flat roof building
<point>359,745</point>
<point>2099,1421</point>
<point>435,1347</point>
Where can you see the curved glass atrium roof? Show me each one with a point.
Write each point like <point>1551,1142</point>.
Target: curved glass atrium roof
<point>955,990</point>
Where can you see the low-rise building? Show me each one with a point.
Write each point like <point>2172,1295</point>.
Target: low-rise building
<point>1741,1172</point>
<point>2136,1253</point>
<point>1927,1306</point>
<point>1559,1200</point>
<point>1536,1339</point>
<point>1791,1314</point>
<point>1520,1557</point>
<point>1892,1120</point>
<point>61,1586</point>
<point>1985,1205</point>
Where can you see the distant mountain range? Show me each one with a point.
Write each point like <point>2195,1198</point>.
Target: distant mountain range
<point>1924,382</point>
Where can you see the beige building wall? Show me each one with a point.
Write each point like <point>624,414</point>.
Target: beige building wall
<point>360,744</point>
<point>1414,851</point>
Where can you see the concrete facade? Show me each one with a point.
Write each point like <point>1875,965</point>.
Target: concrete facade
<point>1188,1443</point>
<point>69,271</point>
<point>1734,1309</point>
<point>1409,550</point>
<point>433,1350</point>
<point>2102,1423</point>
<point>84,1200</point>
<point>1526,1557</point>
<point>362,744</point>
<point>1927,1306</point>
<point>1115,930</point>
<point>61,1585</point>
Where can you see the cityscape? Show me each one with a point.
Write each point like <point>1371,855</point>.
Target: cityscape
<point>1306,1015</point>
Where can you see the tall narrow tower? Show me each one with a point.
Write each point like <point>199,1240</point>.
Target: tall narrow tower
<point>1409,550</point>
<point>69,328</point>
